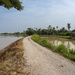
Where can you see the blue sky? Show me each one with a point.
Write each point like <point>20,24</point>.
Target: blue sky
<point>38,14</point>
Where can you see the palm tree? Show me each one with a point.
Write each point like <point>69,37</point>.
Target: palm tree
<point>56,27</point>
<point>68,26</point>
<point>49,29</point>
<point>57,30</point>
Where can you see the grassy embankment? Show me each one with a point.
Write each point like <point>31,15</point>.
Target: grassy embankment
<point>61,49</point>
<point>65,37</point>
<point>11,59</point>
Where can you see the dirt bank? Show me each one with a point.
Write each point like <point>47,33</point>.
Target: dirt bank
<point>11,59</point>
<point>41,61</point>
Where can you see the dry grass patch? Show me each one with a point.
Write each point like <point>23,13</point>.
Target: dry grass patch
<point>11,59</point>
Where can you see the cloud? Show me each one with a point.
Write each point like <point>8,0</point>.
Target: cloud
<point>39,13</point>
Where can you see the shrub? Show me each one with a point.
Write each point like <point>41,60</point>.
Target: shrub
<point>61,48</point>
<point>69,37</point>
<point>71,51</point>
<point>64,34</point>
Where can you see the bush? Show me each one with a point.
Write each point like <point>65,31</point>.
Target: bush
<point>67,34</point>
<point>71,51</point>
<point>64,34</point>
<point>61,48</point>
<point>69,37</point>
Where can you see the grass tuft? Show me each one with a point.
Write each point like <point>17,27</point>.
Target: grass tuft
<point>61,48</point>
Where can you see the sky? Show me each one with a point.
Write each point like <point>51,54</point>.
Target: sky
<point>38,14</point>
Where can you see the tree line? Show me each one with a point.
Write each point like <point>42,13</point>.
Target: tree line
<point>48,31</point>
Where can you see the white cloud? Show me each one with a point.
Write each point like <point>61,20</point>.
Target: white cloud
<point>41,13</point>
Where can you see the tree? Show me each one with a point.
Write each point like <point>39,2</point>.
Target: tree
<point>49,29</point>
<point>56,27</point>
<point>30,31</point>
<point>44,31</point>
<point>39,31</point>
<point>11,3</point>
<point>63,29</point>
<point>17,33</point>
<point>68,26</point>
<point>53,30</point>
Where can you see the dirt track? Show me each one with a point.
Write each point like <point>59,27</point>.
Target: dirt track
<point>41,61</point>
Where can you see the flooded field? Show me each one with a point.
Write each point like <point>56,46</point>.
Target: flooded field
<point>6,40</point>
<point>57,41</point>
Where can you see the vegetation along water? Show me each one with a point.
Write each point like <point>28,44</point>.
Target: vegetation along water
<point>61,49</point>
<point>69,43</point>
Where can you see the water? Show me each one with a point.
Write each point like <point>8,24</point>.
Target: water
<point>6,40</point>
<point>57,41</point>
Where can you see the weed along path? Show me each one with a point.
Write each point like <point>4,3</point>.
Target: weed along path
<point>41,61</point>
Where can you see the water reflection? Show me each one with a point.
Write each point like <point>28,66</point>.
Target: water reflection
<point>57,41</point>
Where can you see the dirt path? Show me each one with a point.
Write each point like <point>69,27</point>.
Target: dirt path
<point>41,61</point>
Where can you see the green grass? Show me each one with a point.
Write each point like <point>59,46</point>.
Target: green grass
<point>66,37</point>
<point>43,42</point>
<point>61,49</point>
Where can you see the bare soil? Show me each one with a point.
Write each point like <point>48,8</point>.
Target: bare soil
<point>11,59</point>
<point>42,61</point>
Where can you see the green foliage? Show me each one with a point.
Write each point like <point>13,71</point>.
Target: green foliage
<point>11,3</point>
<point>69,37</point>
<point>43,42</point>
<point>68,26</point>
<point>49,31</point>
<point>64,34</point>
<point>30,31</point>
<point>61,48</point>
<point>69,53</point>
<point>36,37</point>
<point>67,34</point>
